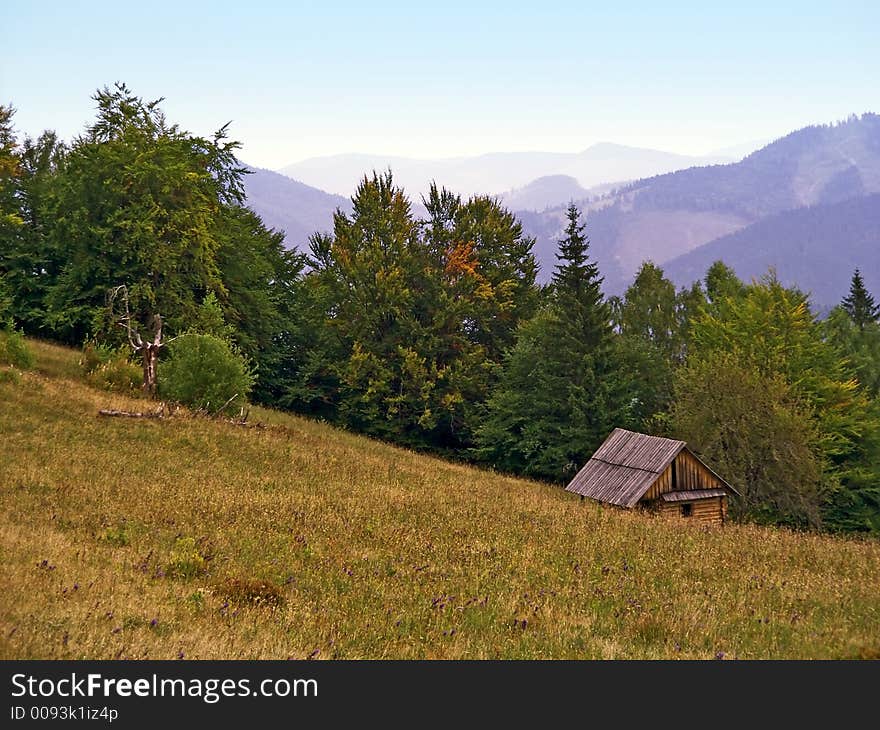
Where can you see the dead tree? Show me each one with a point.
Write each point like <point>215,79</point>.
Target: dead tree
<point>148,346</point>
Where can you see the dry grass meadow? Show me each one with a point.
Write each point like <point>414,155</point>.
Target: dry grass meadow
<point>194,538</point>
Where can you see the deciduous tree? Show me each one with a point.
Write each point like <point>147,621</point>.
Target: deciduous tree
<point>770,333</point>
<point>137,201</point>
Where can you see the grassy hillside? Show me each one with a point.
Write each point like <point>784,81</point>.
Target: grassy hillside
<point>201,539</point>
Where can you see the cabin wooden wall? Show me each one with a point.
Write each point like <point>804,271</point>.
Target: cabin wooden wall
<point>662,485</point>
<point>689,474</point>
<point>712,511</point>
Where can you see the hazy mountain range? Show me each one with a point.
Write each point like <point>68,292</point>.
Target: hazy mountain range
<point>294,200</point>
<point>815,248</point>
<point>805,204</point>
<point>291,206</point>
<point>550,190</point>
<point>494,173</point>
<point>667,216</point>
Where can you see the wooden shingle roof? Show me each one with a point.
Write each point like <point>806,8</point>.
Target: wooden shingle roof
<point>625,466</point>
<point>638,450</point>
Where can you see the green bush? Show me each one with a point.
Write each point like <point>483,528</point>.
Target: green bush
<point>14,350</point>
<point>187,561</point>
<point>109,368</point>
<point>9,375</point>
<point>93,355</point>
<point>204,371</point>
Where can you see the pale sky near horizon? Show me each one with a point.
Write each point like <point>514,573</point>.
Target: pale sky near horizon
<point>304,79</point>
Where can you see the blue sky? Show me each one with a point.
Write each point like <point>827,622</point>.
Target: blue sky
<point>302,79</point>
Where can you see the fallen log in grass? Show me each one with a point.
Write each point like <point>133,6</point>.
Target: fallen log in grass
<point>131,414</point>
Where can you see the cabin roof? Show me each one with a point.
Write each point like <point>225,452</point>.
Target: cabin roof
<point>626,465</point>
<point>638,450</point>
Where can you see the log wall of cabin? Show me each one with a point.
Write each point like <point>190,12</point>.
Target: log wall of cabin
<point>712,511</point>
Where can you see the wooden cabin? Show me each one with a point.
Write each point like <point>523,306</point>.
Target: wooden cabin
<point>633,470</point>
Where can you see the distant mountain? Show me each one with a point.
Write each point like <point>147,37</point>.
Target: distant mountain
<point>291,206</point>
<point>552,191</point>
<point>667,216</point>
<point>545,192</point>
<point>493,173</point>
<point>816,248</point>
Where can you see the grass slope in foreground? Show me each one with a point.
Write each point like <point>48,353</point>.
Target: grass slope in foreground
<point>136,538</point>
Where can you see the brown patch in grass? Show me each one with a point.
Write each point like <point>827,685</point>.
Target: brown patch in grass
<point>249,591</point>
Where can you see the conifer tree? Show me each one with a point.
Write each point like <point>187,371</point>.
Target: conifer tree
<point>561,391</point>
<point>409,319</point>
<point>582,316</point>
<point>859,304</point>
<point>575,270</point>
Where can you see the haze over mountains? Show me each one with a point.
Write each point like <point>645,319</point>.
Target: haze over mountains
<point>805,204</point>
<point>291,206</point>
<point>667,216</point>
<point>494,173</point>
<point>550,190</point>
<point>815,248</point>
<point>301,198</point>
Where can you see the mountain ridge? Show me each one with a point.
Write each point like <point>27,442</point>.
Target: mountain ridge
<point>666,216</point>
<point>290,206</point>
<point>815,248</point>
<point>492,173</point>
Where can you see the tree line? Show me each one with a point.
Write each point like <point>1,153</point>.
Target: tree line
<point>432,332</point>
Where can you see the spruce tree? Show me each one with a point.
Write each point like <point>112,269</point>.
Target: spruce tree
<point>575,269</point>
<point>859,304</point>
<point>560,393</point>
<point>577,287</point>
<point>409,320</point>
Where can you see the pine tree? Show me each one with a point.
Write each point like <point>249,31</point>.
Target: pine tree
<point>560,392</point>
<point>575,269</point>
<point>859,304</point>
<point>577,287</point>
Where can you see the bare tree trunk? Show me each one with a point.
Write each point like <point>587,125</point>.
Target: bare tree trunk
<point>151,357</point>
<point>149,350</point>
